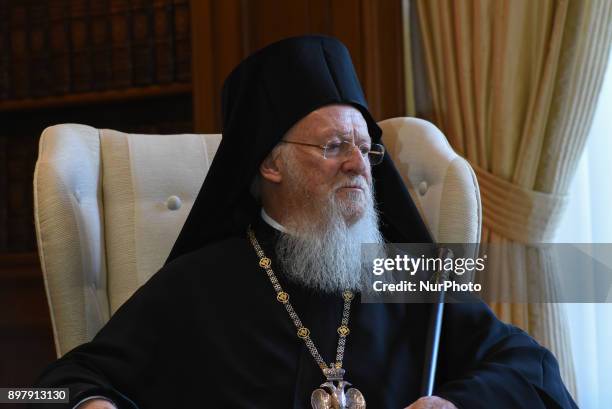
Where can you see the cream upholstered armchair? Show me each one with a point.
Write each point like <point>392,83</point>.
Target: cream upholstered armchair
<point>109,205</point>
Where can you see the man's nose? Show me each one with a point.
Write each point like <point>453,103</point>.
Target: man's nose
<point>355,163</point>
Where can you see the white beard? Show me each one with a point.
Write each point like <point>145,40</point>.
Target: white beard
<point>322,251</point>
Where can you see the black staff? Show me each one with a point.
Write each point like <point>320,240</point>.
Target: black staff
<point>435,327</point>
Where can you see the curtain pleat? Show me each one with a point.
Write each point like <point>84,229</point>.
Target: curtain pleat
<point>514,84</point>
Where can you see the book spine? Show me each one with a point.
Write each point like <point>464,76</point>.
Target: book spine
<point>4,55</point>
<point>17,185</point>
<point>121,56</point>
<point>101,45</point>
<point>19,86</point>
<point>38,67</point>
<point>80,58</point>
<point>3,194</point>
<point>29,225</point>
<point>182,43</point>
<point>142,42</point>
<point>164,46</point>
<point>59,47</point>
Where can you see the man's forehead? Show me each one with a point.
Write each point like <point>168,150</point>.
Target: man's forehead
<point>335,119</point>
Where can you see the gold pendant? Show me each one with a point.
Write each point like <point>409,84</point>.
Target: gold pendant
<point>331,395</point>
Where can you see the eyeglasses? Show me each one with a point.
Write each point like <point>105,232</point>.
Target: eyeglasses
<point>343,149</point>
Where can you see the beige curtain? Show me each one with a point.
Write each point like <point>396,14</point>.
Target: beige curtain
<point>513,86</point>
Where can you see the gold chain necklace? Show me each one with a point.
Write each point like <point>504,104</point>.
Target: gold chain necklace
<point>332,395</point>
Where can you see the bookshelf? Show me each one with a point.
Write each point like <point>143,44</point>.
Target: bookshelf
<point>121,64</point>
<point>97,97</point>
<point>63,47</point>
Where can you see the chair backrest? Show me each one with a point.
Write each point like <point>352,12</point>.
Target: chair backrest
<point>109,205</point>
<point>442,184</point>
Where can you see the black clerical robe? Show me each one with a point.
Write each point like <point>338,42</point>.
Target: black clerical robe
<point>207,331</point>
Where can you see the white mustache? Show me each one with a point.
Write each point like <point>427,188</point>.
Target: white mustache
<point>359,182</point>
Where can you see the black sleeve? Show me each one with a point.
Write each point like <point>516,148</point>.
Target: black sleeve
<point>486,363</point>
<point>121,359</point>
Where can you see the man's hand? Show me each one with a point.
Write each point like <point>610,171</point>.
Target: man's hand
<point>96,404</point>
<point>431,402</point>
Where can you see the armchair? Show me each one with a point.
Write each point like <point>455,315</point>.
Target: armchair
<point>109,205</point>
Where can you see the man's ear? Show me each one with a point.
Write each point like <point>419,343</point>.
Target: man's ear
<point>270,169</point>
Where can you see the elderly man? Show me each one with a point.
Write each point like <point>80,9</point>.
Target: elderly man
<point>258,304</point>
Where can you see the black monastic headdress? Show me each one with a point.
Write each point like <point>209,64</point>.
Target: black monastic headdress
<point>262,99</point>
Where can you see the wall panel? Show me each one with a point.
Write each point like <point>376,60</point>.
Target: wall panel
<point>224,32</point>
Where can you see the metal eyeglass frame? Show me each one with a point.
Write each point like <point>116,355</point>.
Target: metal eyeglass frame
<point>380,154</point>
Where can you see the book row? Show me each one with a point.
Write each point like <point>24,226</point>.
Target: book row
<point>58,47</point>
